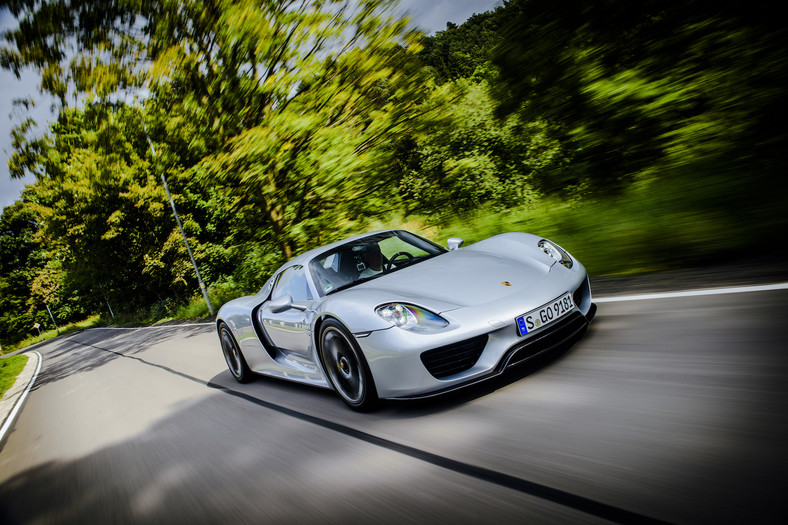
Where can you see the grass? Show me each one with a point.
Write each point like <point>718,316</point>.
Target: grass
<point>10,368</point>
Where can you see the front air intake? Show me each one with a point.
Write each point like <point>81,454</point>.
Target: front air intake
<point>455,358</point>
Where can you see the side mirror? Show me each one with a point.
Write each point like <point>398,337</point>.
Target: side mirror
<point>454,243</point>
<point>283,303</point>
<point>280,304</point>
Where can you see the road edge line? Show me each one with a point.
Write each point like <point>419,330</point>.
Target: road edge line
<point>9,420</point>
<point>147,327</point>
<point>692,293</point>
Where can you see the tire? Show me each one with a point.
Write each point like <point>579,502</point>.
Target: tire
<point>232,354</point>
<point>346,368</point>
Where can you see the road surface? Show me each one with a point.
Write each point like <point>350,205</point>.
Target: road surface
<point>669,410</point>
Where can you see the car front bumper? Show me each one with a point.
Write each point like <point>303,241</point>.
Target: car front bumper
<point>481,342</point>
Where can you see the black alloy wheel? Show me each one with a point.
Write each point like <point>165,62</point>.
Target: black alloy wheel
<point>232,354</point>
<point>346,367</point>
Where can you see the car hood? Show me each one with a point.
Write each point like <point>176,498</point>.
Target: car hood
<point>462,278</point>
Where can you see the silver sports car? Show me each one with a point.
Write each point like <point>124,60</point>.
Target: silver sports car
<point>392,315</point>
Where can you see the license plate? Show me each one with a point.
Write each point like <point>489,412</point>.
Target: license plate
<point>545,314</point>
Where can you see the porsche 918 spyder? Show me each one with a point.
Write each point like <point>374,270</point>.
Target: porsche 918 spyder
<point>390,315</point>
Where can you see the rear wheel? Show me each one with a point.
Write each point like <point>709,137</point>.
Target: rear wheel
<point>232,354</point>
<point>346,367</point>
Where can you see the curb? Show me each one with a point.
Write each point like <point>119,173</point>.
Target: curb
<point>14,397</point>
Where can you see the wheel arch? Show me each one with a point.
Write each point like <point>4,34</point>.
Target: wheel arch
<point>317,326</point>
<point>371,398</point>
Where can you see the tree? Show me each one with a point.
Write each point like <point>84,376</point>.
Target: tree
<point>292,107</point>
<point>464,50</point>
<point>273,122</point>
<point>471,159</point>
<point>20,260</point>
<point>635,87</point>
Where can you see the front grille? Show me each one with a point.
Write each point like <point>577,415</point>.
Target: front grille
<point>455,358</point>
<point>551,337</point>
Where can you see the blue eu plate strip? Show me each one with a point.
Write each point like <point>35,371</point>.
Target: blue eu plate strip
<point>521,326</point>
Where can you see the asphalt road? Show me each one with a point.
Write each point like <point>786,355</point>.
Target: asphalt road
<point>669,410</point>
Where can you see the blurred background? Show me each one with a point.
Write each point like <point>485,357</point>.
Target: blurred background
<point>640,136</point>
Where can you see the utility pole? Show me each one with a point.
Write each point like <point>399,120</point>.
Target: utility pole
<point>52,317</point>
<point>178,221</point>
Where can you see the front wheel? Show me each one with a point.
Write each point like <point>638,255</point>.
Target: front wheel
<point>346,367</point>
<point>232,354</point>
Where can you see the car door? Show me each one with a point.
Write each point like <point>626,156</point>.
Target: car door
<point>289,330</point>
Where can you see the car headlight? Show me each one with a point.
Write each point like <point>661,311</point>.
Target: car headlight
<point>411,317</point>
<point>555,252</point>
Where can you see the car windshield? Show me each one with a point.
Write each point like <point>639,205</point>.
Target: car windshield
<point>369,258</point>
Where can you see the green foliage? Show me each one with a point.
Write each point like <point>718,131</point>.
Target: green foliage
<point>636,87</point>
<point>469,159</point>
<point>640,135</point>
<point>652,225</point>
<point>306,152</point>
<point>462,51</point>
<point>219,293</point>
<point>20,261</point>
<point>99,204</point>
<point>10,368</point>
<point>272,122</point>
<point>89,322</point>
<point>256,262</point>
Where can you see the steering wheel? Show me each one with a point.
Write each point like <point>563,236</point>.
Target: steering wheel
<point>395,257</point>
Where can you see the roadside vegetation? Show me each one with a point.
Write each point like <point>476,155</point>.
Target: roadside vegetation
<point>638,135</point>
<point>10,368</point>
<point>46,335</point>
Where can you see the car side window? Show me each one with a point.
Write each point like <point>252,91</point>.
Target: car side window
<point>292,281</point>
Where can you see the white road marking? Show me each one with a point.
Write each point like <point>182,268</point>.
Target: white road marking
<point>692,293</point>
<point>10,419</point>
<point>147,327</point>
